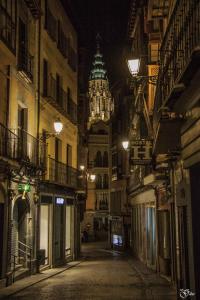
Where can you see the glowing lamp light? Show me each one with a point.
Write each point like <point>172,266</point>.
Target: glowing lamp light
<point>92,177</point>
<point>82,168</point>
<point>58,126</point>
<point>134,66</point>
<point>125,144</point>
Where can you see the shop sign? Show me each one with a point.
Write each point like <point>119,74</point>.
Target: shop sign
<point>60,201</point>
<point>141,152</point>
<point>24,187</point>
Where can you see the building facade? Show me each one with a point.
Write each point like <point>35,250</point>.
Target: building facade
<point>58,69</point>
<point>38,170</point>
<point>164,202</point>
<point>119,222</point>
<point>98,196</point>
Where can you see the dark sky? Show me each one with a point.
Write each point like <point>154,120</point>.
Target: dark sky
<point>108,18</point>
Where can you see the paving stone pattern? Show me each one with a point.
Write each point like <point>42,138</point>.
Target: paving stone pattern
<point>102,274</point>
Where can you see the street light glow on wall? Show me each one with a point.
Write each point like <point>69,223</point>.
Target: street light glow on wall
<point>125,144</point>
<point>58,126</point>
<point>134,66</point>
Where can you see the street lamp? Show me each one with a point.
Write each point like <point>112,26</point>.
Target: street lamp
<point>82,167</point>
<point>134,67</point>
<point>125,144</point>
<point>92,177</point>
<point>58,126</point>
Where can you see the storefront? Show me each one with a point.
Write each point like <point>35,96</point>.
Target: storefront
<point>143,227</point>
<point>117,235</point>
<point>45,228</point>
<point>56,229</point>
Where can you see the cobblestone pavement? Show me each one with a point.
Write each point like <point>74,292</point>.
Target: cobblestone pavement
<point>102,274</point>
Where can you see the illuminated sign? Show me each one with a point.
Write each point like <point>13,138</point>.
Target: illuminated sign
<point>141,152</point>
<point>24,187</point>
<point>60,201</point>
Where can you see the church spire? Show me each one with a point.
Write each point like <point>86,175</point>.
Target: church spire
<point>98,41</point>
<point>98,70</point>
<point>101,102</point>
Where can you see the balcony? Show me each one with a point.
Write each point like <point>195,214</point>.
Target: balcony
<point>20,146</point>
<point>25,63</point>
<point>8,143</point>
<point>34,7</point>
<point>101,203</point>
<point>28,147</point>
<point>179,54</point>
<point>7,32</point>
<point>60,173</point>
<point>58,98</point>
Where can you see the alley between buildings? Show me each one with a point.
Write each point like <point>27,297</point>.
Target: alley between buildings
<point>101,274</point>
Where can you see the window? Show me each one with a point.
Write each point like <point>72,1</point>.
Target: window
<point>98,160</point>
<point>58,149</point>
<point>105,159</point>
<point>50,22</point>
<point>105,181</point>
<point>99,182</point>
<point>23,41</point>
<point>8,21</point>
<point>57,88</point>
<point>69,155</point>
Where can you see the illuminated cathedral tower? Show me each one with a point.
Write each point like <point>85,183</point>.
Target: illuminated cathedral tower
<point>100,100</point>
<point>96,217</point>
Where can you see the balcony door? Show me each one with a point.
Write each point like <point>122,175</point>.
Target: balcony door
<point>58,158</point>
<point>59,233</point>
<point>69,163</point>
<point>23,44</point>
<point>22,131</point>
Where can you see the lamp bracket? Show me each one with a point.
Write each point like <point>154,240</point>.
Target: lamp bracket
<point>147,79</point>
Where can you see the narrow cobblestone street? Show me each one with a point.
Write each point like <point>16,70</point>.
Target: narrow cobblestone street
<point>101,274</point>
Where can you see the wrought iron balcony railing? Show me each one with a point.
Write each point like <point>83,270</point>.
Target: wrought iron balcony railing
<point>62,174</point>
<point>181,39</point>
<point>60,100</point>
<point>7,29</point>
<point>20,146</point>
<point>8,143</point>
<point>30,149</point>
<point>25,63</point>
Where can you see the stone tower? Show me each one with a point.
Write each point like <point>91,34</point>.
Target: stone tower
<point>100,100</point>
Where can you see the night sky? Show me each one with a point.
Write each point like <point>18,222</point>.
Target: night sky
<point>108,18</point>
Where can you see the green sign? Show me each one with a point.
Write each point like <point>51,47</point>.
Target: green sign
<point>24,187</point>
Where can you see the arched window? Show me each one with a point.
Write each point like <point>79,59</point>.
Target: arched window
<point>98,160</point>
<point>105,159</point>
<point>105,181</point>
